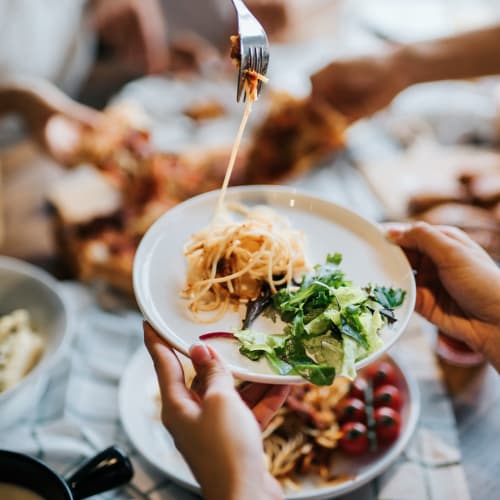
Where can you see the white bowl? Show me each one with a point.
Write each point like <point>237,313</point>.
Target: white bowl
<point>25,286</point>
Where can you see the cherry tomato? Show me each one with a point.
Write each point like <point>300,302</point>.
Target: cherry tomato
<point>358,388</point>
<point>388,395</point>
<point>354,440</point>
<point>352,410</point>
<point>387,424</point>
<point>381,373</point>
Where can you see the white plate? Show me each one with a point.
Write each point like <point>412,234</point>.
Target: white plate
<point>159,268</point>
<point>140,416</point>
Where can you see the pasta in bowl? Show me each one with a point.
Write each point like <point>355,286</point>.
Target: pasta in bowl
<point>35,328</point>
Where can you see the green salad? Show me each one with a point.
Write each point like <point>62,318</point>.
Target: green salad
<point>330,324</point>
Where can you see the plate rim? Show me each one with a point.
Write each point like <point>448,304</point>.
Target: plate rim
<point>382,464</point>
<point>271,190</point>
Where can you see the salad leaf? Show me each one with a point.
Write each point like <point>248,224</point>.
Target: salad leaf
<point>350,295</point>
<point>319,325</point>
<point>325,350</point>
<point>330,324</point>
<point>316,374</point>
<point>257,306</point>
<point>350,355</point>
<point>389,298</point>
<point>335,258</point>
<point>255,344</point>
<point>372,324</point>
<point>352,326</point>
<point>278,365</point>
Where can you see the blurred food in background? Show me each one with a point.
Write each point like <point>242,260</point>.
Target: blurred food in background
<point>20,347</point>
<point>120,184</point>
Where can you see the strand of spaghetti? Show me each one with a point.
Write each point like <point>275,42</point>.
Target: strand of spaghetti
<point>232,276</point>
<point>270,263</point>
<point>232,158</point>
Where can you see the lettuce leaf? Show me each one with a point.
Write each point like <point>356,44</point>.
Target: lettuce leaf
<point>390,298</point>
<point>330,325</point>
<point>254,344</point>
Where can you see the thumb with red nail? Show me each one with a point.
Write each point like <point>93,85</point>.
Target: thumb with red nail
<point>212,425</point>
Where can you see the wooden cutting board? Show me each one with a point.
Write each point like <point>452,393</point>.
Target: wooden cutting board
<point>424,167</point>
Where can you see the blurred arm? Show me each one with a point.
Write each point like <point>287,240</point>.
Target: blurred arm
<point>467,55</point>
<point>37,100</point>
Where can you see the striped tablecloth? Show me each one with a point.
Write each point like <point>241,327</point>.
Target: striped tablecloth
<point>78,414</point>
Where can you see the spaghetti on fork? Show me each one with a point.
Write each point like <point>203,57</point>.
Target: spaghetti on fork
<point>230,261</point>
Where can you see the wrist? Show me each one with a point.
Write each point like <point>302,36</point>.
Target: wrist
<point>264,487</point>
<point>245,485</point>
<point>407,66</point>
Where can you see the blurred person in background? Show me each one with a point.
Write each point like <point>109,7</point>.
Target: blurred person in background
<point>361,86</point>
<point>57,40</point>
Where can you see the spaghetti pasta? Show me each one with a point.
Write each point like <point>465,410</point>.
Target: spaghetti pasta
<point>229,261</point>
<point>301,437</point>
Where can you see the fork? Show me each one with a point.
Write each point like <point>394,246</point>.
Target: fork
<point>254,46</point>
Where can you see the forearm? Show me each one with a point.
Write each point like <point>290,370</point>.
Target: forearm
<point>35,100</point>
<point>11,101</point>
<point>24,97</point>
<point>467,55</point>
<point>246,483</point>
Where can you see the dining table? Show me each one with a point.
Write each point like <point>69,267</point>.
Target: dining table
<point>454,454</point>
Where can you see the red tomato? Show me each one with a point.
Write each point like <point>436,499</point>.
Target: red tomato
<point>382,373</point>
<point>388,395</point>
<point>387,424</point>
<point>354,440</point>
<point>358,388</point>
<point>352,410</point>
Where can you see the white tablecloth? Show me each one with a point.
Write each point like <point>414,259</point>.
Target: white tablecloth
<point>78,414</point>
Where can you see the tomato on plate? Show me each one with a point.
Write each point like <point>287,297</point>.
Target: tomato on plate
<point>352,410</point>
<point>387,424</point>
<point>358,388</point>
<point>388,395</point>
<point>382,373</point>
<point>354,440</point>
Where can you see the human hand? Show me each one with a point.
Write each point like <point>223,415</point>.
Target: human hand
<point>135,30</point>
<point>212,427</point>
<point>458,284</point>
<point>360,86</point>
<point>55,120</point>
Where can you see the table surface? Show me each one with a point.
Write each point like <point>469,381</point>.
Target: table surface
<point>475,392</point>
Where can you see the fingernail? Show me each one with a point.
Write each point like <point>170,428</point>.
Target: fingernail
<point>393,234</point>
<point>395,230</point>
<point>199,353</point>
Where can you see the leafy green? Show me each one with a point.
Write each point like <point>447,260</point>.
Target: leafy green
<point>254,344</point>
<point>390,298</point>
<point>350,354</point>
<point>277,364</point>
<point>350,295</point>
<point>316,374</point>
<point>353,333</point>
<point>325,350</point>
<point>330,324</point>
<point>335,258</point>
<point>257,306</point>
<point>319,325</point>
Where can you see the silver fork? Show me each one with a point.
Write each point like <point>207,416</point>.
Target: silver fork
<point>254,46</point>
